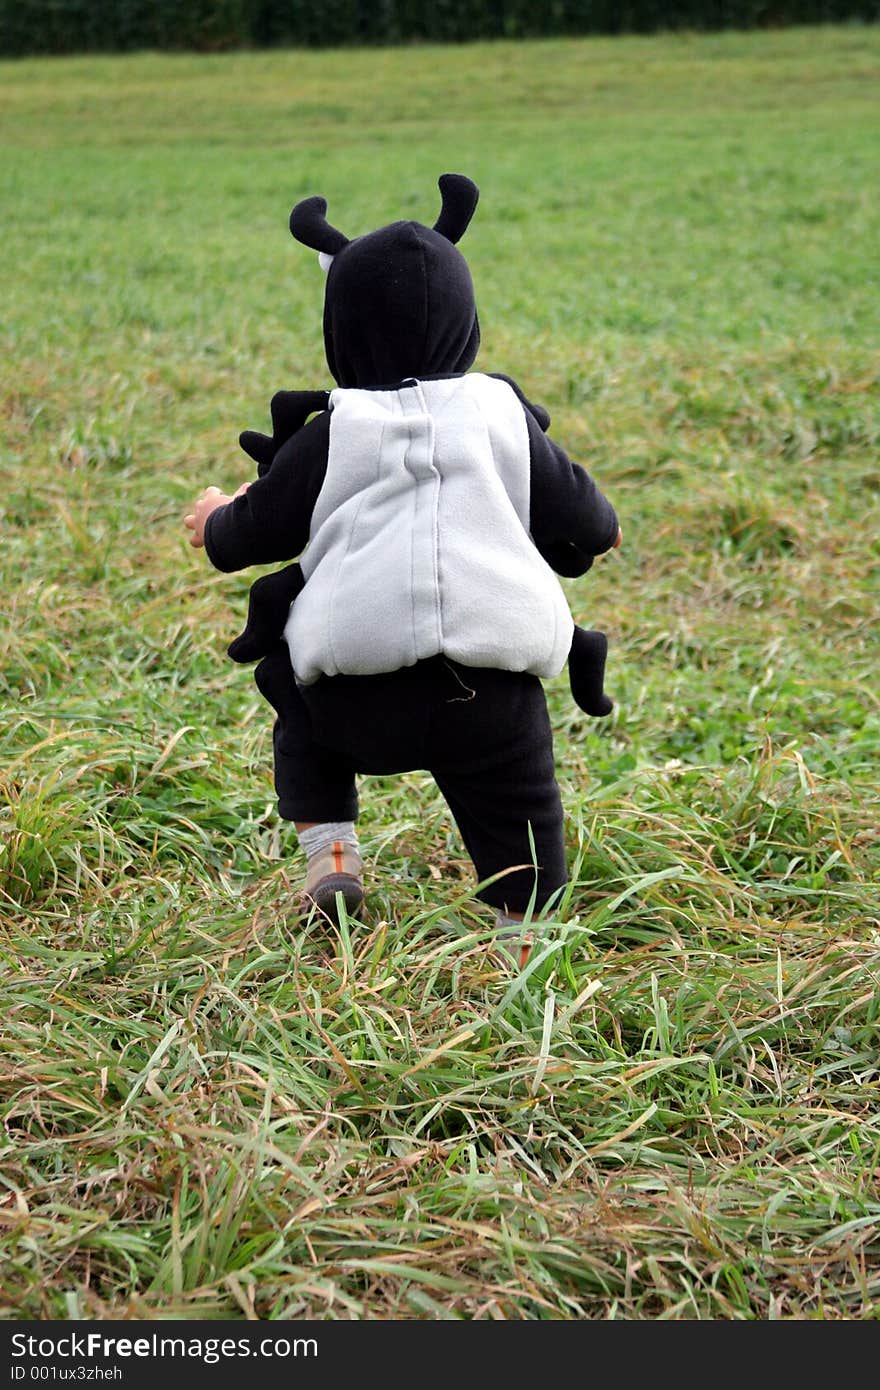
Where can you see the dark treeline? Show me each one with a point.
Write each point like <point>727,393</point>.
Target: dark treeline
<point>69,26</point>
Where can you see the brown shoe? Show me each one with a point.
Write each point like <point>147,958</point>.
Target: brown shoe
<point>515,943</point>
<point>336,869</point>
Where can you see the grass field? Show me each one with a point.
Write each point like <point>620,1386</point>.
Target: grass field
<point>673,1112</point>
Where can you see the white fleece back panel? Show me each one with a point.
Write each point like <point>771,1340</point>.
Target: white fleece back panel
<point>419,540</point>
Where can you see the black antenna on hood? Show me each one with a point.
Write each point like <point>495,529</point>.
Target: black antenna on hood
<point>309,225</point>
<point>460,196</point>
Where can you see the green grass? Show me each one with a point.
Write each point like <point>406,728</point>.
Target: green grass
<point>672,1113</point>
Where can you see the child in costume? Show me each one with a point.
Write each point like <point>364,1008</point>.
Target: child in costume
<point>430,510</point>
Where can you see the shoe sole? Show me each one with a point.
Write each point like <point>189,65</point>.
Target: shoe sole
<point>323,896</point>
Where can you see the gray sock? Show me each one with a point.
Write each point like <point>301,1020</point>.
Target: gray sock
<point>318,837</point>
<point>508,926</point>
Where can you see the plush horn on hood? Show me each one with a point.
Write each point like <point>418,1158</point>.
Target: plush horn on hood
<point>460,196</point>
<point>309,225</point>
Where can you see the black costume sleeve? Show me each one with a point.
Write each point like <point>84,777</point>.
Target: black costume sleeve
<point>270,522</point>
<point>570,520</point>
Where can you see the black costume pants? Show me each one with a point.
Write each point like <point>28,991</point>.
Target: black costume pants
<point>483,735</point>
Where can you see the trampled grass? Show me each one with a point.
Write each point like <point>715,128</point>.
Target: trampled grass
<point>673,1112</point>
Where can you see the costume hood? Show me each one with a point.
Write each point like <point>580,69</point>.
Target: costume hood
<point>399,302</point>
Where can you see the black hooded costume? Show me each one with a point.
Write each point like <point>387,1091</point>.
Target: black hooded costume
<point>430,509</point>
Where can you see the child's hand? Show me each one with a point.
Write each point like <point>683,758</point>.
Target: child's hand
<point>194,521</point>
<point>619,542</point>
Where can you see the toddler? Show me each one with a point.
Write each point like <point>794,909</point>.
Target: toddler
<point>430,510</point>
